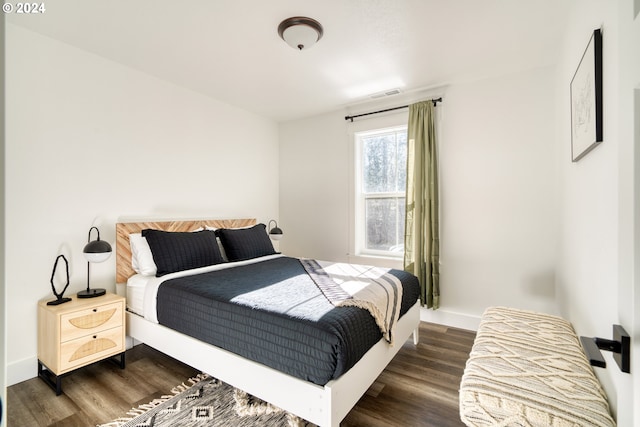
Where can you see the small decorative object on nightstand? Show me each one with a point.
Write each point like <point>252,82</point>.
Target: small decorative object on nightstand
<point>77,334</point>
<point>59,296</point>
<point>94,251</point>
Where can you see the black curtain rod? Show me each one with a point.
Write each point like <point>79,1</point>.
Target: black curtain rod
<point>435,101</point>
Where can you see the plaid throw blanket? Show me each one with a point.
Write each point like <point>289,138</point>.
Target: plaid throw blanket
<point>367,287</point>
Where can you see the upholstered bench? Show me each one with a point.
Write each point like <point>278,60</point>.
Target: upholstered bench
<point>528,369</point>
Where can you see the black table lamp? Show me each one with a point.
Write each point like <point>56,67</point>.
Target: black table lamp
<point>94,251</point>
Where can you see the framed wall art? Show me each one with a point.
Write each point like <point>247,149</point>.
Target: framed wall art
<point>586,100</point>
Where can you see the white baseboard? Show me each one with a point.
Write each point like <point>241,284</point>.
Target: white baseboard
<point>22,370</point>
<point>449,318</point>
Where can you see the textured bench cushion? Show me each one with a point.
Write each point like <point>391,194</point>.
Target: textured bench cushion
<point>528,369</point>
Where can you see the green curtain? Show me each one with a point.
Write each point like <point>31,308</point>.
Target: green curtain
<point>422,237</point>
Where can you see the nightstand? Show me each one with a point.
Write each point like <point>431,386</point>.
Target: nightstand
<point>78,333</point>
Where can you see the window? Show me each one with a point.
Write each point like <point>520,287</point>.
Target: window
<point>381,176</point>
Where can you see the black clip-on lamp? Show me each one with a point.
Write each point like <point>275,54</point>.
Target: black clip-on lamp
<point>59,299</point>
<point>94,251</point>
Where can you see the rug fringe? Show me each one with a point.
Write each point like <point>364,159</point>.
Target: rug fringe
<point>244,408</point>
<point>146,407</point>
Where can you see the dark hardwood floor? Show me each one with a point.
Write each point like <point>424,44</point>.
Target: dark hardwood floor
<point>418,388</point>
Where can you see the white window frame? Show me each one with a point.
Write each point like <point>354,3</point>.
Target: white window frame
<point>357,236</point>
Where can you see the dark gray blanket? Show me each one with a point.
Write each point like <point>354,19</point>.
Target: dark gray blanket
<point>272,312</point>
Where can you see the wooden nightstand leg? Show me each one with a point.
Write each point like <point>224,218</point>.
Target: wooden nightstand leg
<point>47,376</point>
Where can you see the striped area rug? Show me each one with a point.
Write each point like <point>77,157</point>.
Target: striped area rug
<point>204,400</point>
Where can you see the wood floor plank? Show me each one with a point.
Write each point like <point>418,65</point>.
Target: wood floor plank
<point>418,388</point>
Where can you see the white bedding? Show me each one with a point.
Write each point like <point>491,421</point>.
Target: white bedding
<point>136,285</point>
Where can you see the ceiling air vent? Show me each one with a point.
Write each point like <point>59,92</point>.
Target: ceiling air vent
<point>385,93</point>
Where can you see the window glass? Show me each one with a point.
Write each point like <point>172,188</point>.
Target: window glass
<point>384,223</point>
<point>381,191</point>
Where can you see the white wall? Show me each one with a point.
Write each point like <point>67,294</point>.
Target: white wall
<point>314,187</point>
<point>499,203</point>
<point>597,266</point>
<point>589,188</point>
<point>90,141</point>
<point>498,169</point>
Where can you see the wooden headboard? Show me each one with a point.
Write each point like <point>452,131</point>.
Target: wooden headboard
<point>124,270</point>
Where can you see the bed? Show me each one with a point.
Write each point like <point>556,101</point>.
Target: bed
<point>299,376</point>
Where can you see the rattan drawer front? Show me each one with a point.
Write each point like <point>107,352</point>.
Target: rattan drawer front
<point>86,322</point>
<point>84,350</point>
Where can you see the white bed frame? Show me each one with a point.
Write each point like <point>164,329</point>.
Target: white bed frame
<point>325,405</point>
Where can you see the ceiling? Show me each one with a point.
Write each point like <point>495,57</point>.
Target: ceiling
<point>230,50</point>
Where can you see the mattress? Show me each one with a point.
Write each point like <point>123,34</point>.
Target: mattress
<point>270,311</point>
<point>136,286</point>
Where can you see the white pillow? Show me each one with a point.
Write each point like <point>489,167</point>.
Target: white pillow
<point>141,257</point>
<point>220,247</point>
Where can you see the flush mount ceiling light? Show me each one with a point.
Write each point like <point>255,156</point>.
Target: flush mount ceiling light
<point>300,32</point>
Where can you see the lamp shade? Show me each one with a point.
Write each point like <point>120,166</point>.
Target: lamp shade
<point>97,251</point>
<point>276,232</point>
<point>300,32</point>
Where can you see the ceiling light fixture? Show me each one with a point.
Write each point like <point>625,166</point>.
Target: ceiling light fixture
<point>300,32</point>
